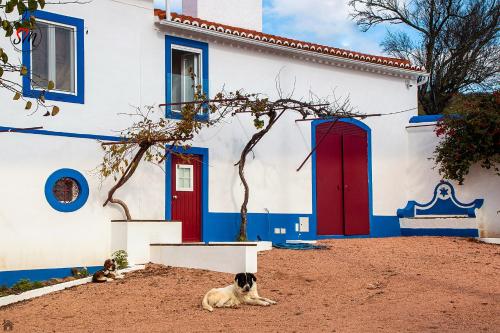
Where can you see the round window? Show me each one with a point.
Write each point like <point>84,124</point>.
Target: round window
<point>66,190</point>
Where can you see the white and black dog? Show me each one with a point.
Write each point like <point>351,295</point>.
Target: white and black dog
<point>242,291</point>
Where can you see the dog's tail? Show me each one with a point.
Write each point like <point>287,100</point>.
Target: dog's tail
<point>205,304</point>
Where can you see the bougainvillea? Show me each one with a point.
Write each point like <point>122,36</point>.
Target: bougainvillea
<point>470,135</point>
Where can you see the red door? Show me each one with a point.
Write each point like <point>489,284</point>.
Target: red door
<point>330,210</point>
<point>342,180</point>
<point>186,196</point>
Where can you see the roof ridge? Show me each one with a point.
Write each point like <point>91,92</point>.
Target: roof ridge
<point>288,42</point>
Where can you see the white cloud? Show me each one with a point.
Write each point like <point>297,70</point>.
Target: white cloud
<point>321,21</point>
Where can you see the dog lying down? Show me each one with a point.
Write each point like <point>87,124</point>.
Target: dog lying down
<point>242,291</point>
<point>108,273</point>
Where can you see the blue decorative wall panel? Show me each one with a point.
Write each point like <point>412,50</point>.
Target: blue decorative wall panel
<point>443,204</point>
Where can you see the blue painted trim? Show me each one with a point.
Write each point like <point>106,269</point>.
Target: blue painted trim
<point>9,278</point>
<point>425,119</point>
<point>203,152</point>
<point>82,196</point>
<point>225,227</point>
<point>448,205</point>
<point>169,41</point>
<point>440,232</point>
<point>64,134</point>
<point>367,129</point>
<point>380,226</point>
<point>28,90</point>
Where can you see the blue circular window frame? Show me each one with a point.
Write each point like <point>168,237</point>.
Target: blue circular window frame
<point>82,196</point>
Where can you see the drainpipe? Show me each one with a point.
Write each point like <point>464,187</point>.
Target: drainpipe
<point>168,10</point>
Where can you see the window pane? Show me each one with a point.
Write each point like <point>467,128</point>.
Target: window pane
<point>64,53</point>
<point>176,79</point>
<point>184,64</point>
<point>40,57</point>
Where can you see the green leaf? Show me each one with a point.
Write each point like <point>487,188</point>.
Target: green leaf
<point>1,71</point>
<point>4,57</point>
<point>42,3</point>
<point>17,96</point>
<point>51,85</point>
<point>32,5</point>
<point>55,110</point>
<point>24,70</point>
<point>28,105</point>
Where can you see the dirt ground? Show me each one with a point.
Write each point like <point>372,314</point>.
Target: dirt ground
<point>358,285</point>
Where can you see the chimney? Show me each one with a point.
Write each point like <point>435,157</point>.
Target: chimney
<point>245,14</point>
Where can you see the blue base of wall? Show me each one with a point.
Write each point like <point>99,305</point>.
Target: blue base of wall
<point>11,277</point>
<point>380,226</point>
<point>225,227</point>
<point>440,232</point>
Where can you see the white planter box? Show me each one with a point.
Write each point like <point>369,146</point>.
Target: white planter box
<point>261,246</point>
<point>226,258</point>
<point>135,237</point>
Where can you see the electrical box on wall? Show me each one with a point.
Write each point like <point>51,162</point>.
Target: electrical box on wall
<point>303,224</point>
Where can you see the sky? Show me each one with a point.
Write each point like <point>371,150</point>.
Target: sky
<point>324,22</point>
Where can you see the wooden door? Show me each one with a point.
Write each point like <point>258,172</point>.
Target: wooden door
<point>355,166</point>
<point>342,200</point>
<point>186,195</point>
<point>330,211</point>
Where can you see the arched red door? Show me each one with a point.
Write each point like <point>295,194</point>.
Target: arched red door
<point>342,205</point>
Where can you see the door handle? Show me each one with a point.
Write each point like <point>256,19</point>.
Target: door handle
<point>174,197</point>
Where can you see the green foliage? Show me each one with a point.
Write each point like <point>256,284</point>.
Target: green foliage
<point>25,285</point>
<point>121,258</point>
<point>79,272</point>
<point>471,135</point>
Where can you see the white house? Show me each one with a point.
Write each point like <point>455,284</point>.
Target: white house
<point>107,55</point>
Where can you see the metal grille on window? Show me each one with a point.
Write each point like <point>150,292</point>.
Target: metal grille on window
<point>66,190</point>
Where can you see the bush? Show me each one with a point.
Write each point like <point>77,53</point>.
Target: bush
<point>25,285</point>
<point>469,136</point>
<point>121,258</point>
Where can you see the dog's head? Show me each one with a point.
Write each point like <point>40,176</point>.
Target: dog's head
<point>110,265</point>
<point>244,282</point>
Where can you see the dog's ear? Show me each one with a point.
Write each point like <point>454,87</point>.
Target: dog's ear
<point>238,276</point>
<point>253,277</point>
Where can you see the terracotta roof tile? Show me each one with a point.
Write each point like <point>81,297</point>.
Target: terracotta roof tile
<point>292,43</point>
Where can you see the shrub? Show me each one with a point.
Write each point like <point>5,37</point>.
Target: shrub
<point>470,136</point>
<point>121,258</point>
<point>25,285</point>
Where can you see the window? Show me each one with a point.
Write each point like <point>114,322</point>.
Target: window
<point>184,178</point>
<point>66,190</point>
<point>185,76</point>
<point>187,68</point>
<point>54,58</point>
<point>55,54</point>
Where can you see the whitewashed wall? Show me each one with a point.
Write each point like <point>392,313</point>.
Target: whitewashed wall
<point>124,61</point>
<point>423,177</point>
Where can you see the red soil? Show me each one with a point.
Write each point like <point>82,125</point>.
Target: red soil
<point>358,285</point>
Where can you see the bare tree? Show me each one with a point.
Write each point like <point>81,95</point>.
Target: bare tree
<point>154,141</point>
<point>457,42</point>
<point>266,114</point>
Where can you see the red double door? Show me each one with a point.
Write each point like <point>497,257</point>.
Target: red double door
<point>186,195</point>
<point>342,180</point>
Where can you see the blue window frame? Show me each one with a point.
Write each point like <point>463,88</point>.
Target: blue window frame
<point>55,195</point>
<point>188,46</point>
<point>77,92</point>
